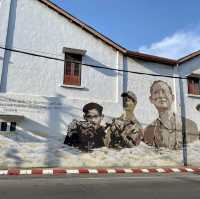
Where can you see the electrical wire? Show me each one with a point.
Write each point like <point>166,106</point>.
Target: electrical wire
<point>89,65</point>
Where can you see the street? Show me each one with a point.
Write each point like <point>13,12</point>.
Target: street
<point>101,186</point>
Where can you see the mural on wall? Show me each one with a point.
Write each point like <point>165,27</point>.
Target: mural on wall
<point>18,104</point>
<point>126,131</point>
<point>94,141</point>
<point>123,132</point>
<point>87,134</point>
<point>166,130</point>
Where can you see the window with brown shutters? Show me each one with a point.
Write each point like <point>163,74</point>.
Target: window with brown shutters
<point>72,69</point>
<point>194,85</point>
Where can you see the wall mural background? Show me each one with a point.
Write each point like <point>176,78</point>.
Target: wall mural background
<point>92,140</point>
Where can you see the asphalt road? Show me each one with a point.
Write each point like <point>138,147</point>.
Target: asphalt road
<point>99,187</point>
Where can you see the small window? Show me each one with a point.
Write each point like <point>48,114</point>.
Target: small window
<point>194,85</point>
<point>72,69</point>
<point>3,126</point>
<point>198,107</point>
<point>13,126</point>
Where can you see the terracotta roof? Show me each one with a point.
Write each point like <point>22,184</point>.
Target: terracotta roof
<point>151,58</point>
<point>188,57</point>
<point>83,25</point>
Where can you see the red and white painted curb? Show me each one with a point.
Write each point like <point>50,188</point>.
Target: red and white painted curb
<point>61,171</point>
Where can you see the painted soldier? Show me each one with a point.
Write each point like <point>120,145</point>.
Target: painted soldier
<point>166,130</point>
<point>88,134</point>
<point>125,131</point>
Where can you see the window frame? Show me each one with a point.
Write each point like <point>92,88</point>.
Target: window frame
<point>193,87</point>
<point>4,126</point>
<point>73,52</point>
<point>13,126</point>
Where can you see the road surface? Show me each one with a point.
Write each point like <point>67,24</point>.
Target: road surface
<point>163,186</point>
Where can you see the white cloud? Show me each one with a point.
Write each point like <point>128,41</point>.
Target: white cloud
<point>175,46</point>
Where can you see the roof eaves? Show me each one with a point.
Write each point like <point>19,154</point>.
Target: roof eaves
<point>83,25</point>
<point>188,57</point>
<point>151,58</point>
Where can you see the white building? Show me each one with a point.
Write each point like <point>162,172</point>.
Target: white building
<point>41,93</point>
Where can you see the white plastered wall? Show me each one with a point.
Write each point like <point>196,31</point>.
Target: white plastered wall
<point>38,29</point>
<point>191,101</point>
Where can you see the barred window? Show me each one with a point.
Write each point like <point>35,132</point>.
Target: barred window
<point>8,126</point>
<point>13,126</point>
<point>3,126</point>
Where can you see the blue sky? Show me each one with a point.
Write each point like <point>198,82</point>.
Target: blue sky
<point>169,28</point>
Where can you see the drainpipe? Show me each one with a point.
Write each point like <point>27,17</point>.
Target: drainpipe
<point>8,44</point>
<point>117,77</point>
<point>125,74</point>
<point>183,116</point>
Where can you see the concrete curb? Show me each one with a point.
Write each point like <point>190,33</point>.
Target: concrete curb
<point>62,171</point>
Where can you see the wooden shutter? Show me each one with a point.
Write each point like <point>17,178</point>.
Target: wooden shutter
<point>190,86</point>
<point>197,87</point>
<point>72,73</point>
<point>194,86</point>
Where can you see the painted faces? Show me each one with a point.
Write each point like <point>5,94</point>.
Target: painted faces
<point>128,104</point>
<point>94,117</point>
<point>161,96</point>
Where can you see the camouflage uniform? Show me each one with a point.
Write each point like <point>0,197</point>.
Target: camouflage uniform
<point>123,133</point>
<point>83,135</point>
<point>161,134</point>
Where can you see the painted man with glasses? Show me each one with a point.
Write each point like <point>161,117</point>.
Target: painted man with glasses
<point>166,130</point>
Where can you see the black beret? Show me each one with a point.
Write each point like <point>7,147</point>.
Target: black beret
<point>92,105</point>
<point>130,95</point>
